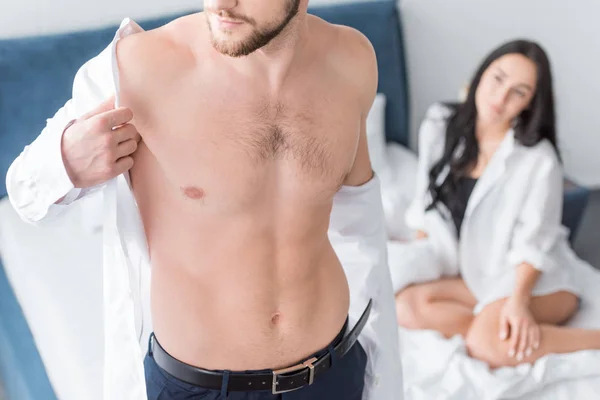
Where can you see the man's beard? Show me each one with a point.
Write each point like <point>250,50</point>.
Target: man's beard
<point>258,38</point>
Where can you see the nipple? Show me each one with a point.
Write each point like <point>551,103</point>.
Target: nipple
<point>193,192</point>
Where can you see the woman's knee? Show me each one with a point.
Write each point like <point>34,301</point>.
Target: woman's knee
<point>556,308</point>
<point>483,342</point>
<point>409,307</point>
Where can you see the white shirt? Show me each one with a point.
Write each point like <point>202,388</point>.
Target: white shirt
<point>37,180</point>
<point>513,216</point>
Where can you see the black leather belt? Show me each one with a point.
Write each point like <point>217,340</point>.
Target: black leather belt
<point>279,381</point>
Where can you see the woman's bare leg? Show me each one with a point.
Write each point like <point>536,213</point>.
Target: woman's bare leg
<point>549,311</point>
<point>445,305</point>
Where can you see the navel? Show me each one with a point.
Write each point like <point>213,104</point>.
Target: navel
<point>275,319</point>
<point>193,192</point>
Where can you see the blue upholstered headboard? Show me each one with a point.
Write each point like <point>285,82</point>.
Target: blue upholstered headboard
<point>36,74</point>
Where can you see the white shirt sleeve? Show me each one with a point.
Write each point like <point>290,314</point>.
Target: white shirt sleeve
<point>539,225</point>
<point>358,236</point>
<point>37,179</point>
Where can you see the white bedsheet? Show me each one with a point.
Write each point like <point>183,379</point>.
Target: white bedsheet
<point>437,368</point>
<point>57,278</point>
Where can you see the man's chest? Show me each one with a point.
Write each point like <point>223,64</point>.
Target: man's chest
<point>236,143</point>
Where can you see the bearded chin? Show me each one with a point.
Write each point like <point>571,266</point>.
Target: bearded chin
<point>243,47</point>
<point>257,39</point>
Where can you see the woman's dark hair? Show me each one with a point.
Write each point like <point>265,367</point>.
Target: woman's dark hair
<point>534,124</point>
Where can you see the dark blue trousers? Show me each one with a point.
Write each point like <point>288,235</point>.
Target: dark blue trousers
<point>343,381</point>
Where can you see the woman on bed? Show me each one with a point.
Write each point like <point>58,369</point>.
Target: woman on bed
<point>489,201</point>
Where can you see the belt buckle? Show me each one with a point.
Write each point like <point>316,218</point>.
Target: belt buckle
<point>306,364</point>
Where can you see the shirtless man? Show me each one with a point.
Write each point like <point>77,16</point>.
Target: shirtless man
<point>252,116</point>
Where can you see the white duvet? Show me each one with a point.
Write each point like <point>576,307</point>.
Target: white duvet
<point>439,369</point>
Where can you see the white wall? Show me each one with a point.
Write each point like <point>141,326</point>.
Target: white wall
<point>35,17</point>
<point>446,39</point>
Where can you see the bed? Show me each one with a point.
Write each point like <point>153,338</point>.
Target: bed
<point>50,305</point>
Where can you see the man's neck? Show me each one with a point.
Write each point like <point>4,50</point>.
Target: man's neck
<point>273,62</point>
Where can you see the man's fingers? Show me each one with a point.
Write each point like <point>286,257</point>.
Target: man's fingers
<point>112,118</point>
<point>126,148</point>
<point>106,105</point>
<point>122,165</point>
<point>125,133</point>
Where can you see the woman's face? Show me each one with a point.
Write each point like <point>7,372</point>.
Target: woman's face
<point>506,89</point>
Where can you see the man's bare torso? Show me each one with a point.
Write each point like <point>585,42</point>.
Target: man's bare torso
<point>234,180</point>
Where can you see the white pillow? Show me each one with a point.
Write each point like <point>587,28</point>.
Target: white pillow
<point>376,134</point>
<point>396,167</point>
<point>398,189</point>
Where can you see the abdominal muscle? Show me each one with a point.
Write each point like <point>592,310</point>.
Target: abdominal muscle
<point>249,291</point>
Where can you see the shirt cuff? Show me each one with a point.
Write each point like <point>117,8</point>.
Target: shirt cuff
<point>70,197</point>
<point>528,254</point>
<point>51,178</point>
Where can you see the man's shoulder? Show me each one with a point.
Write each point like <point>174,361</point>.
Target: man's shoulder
<point>159,49</point>
<point>344,41</point>
<point>354,43</point>
<point>357,57</point>
<point>351,55</point>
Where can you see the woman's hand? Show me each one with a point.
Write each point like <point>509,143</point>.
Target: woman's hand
<point>518,325</point>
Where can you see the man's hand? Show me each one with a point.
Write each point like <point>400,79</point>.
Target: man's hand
<point>98,146</point>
